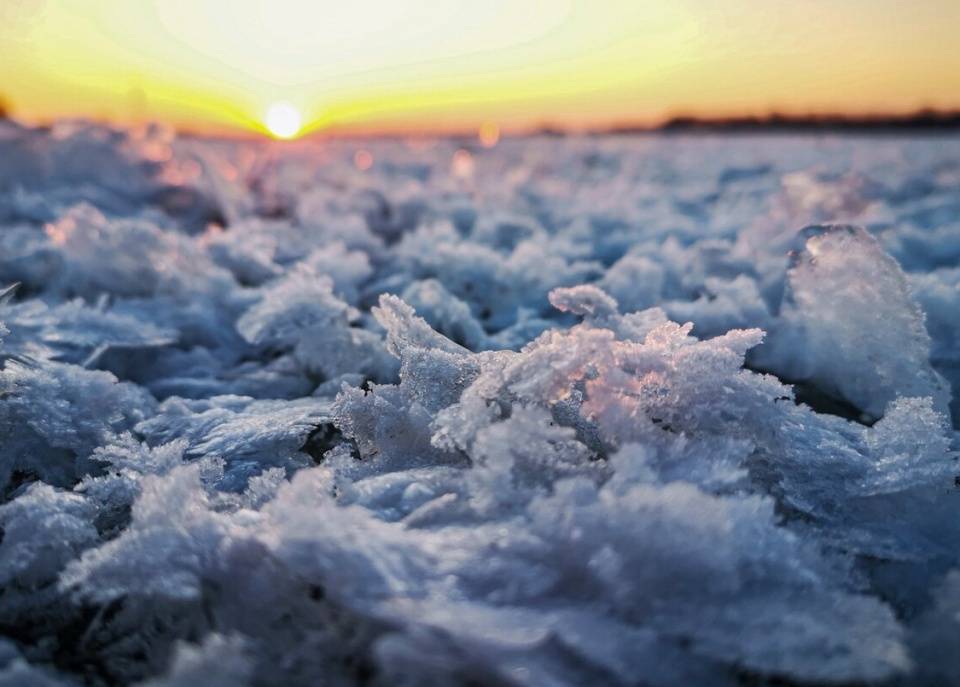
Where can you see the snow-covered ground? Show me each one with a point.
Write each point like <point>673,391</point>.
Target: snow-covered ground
<point>565,411</point>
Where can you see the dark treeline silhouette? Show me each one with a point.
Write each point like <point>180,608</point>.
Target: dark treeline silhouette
<point>921,121</point>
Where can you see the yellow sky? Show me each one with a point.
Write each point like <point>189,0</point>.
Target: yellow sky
<point>448,64</point>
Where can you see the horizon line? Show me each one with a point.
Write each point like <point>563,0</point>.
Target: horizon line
<point>918,119</point>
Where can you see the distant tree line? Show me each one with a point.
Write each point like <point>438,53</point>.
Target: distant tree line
<point>922,120</point>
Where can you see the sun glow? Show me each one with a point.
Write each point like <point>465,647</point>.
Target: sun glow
<point>377,66</point>
<point>283,120</point>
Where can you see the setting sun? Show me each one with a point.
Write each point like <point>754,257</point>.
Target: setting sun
<point>283,120</point>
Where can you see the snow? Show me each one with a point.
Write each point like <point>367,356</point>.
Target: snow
<point>560,411</point>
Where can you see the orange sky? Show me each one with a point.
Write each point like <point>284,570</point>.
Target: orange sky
<point>389,65</point>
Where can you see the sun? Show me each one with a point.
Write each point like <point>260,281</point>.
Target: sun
<point>283,120</point>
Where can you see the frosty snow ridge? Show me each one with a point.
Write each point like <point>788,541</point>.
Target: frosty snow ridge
<point>618,411</point>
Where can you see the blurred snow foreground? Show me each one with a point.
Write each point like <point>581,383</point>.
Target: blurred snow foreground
<point>581,411</point>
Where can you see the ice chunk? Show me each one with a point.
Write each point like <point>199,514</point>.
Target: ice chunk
<point>165,551</point>
<point>850,326</point>
<point>143,258</point>
<point>218,661</point>
<point>249,435</point>
<point>43,530</point>
<point>446,313</point>
<point>55,415</point>
<point>300,312</point>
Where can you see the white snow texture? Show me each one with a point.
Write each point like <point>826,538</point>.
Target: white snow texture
<point>648,410</point>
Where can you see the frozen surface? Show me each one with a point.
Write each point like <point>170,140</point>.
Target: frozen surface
<point>619,411</point>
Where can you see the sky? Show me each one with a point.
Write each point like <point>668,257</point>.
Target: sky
<point>441,65</point>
